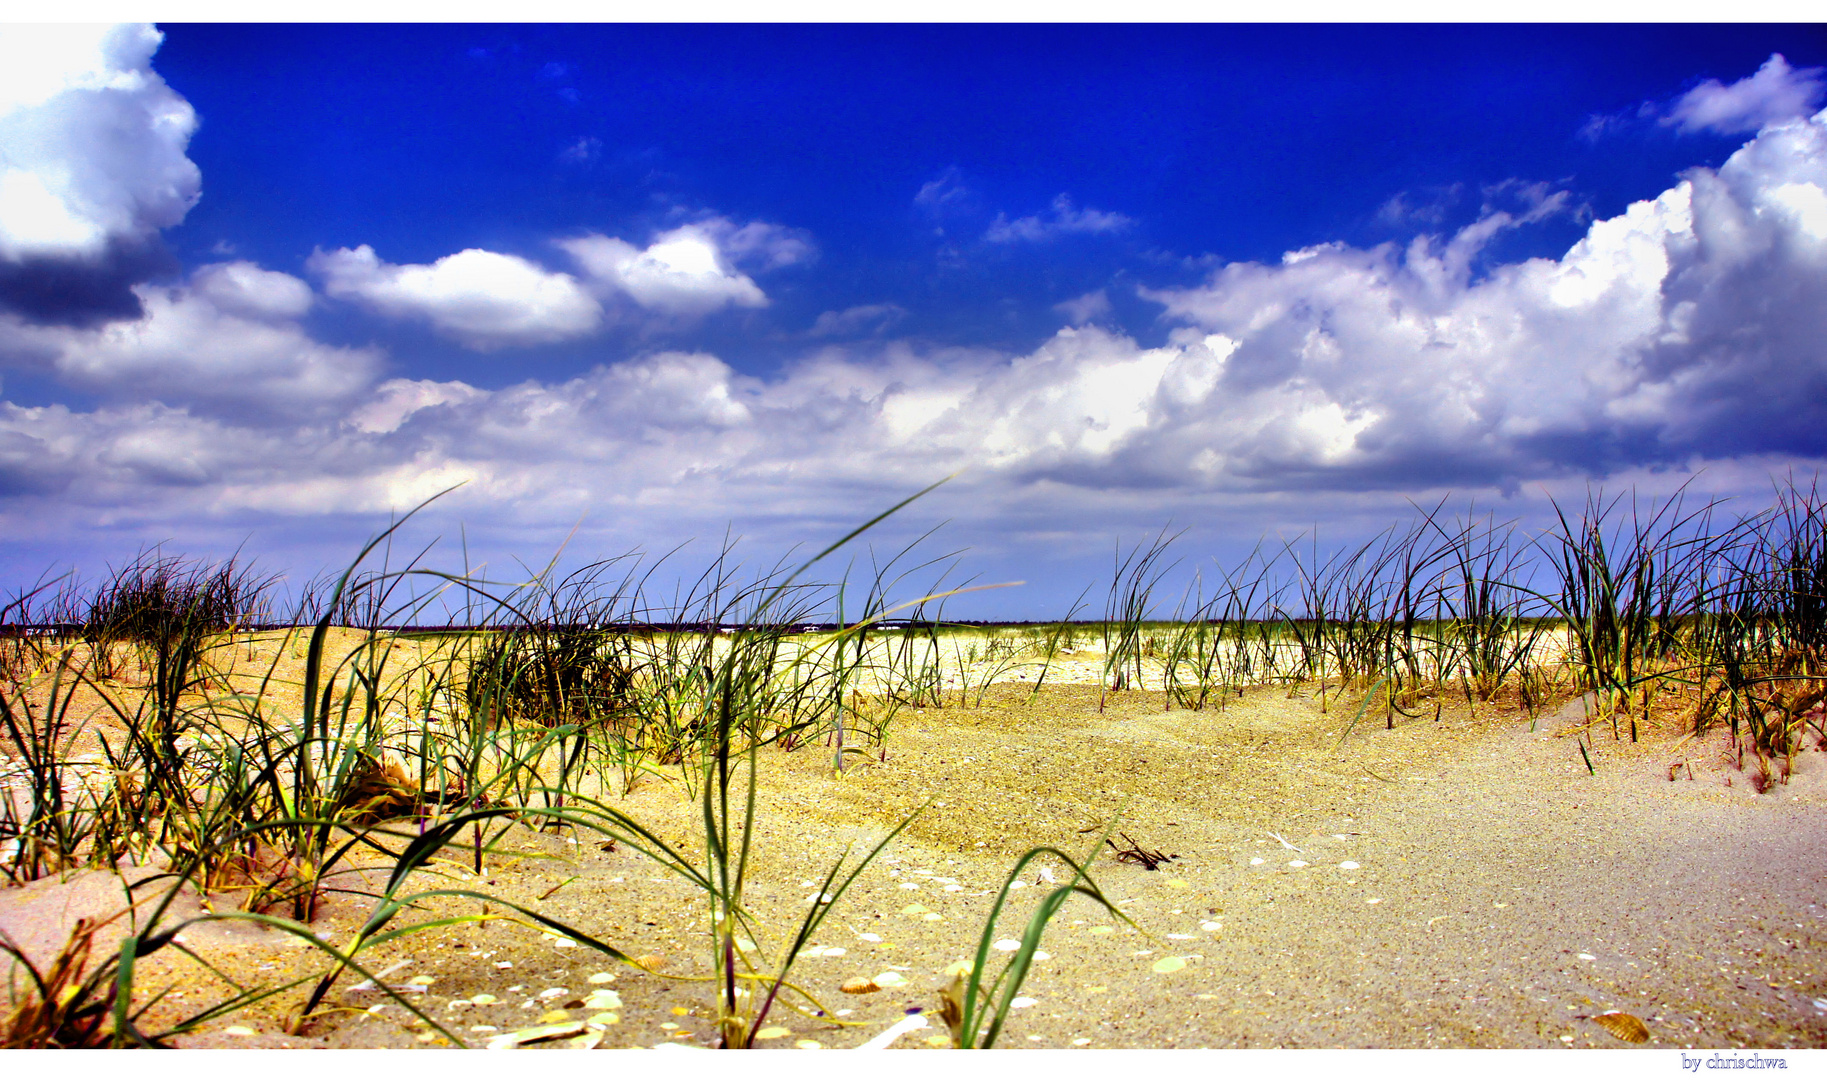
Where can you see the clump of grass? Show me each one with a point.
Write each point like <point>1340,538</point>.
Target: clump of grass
<point>1133,580</point>
<point>66,1006</point>
<point>1625,582</point>
<point>975,1006</point>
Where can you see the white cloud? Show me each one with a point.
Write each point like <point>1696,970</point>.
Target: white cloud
<point>92,142</point>
<point>483,299</point>
<point>758,246</point>
<point>1776,92</point>
<point>1084,309</point>
<point>396,400</point>
<point>1685,330</point>
<point>683,272</point>
<point>241,288</point>
<point>1681,327</point>
<point>1062,220</point>
<point>945,193</point>
<point>857,321</point>
<point>584,150</point>
<point>225,341</point>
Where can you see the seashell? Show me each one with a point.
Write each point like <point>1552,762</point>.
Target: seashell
<point>1624,1026</point>
<point>859,985</point>
<point>601,1000</point>
<point>541,1033</point>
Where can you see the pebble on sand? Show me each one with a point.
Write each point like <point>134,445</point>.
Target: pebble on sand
<point>1167,965</point>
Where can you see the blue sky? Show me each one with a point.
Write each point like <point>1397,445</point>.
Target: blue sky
<point>266,284</point>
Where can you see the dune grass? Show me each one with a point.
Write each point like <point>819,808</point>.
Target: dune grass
<point>547,698</point>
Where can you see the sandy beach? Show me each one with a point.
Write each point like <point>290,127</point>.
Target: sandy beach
<point>1460,882</point>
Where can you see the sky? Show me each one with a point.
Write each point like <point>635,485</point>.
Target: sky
<point>627,287</point>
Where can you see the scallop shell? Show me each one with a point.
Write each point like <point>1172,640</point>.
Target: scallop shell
<point>1623,1025</point>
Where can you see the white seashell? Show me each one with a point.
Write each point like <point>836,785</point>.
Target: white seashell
<point>603,1000</point>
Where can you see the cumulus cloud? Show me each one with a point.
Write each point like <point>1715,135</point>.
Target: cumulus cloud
<point>483,299</point>
<point>1774,93</point>
<point>1679,328</point>
<point>242,288</point>
<point>92,166</point>
<point>1685,330</point>
<point>691,270</point>
<point>226,341</point>
<point>1063,219</point>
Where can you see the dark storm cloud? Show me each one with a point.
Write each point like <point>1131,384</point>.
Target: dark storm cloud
<point>79,291</point>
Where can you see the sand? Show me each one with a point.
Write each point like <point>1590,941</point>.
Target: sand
<point>1465,882</point>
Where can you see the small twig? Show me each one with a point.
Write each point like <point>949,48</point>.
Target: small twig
<point>1136,853</point>
<point>548,893</point>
